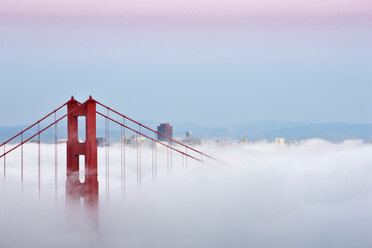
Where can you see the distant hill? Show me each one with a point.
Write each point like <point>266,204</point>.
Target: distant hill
<point>268,130</point>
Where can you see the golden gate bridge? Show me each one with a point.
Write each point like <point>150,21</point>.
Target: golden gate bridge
<point>88,187</point>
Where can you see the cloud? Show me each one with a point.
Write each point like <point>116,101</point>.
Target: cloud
<point>311,194</point>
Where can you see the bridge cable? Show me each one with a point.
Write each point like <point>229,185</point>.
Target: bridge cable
<point>137,161</point>
<point>183,158</point>
<point>4,172</point>
<point>38,161</point>
<point>121,160</point>
<point>22,164</point>
<point>152,160</point>
<point>55,156</point>
<point>167,160</point>
<point>166,137</point>
<point>30,138</point>
<point>122,139</point>
<point>4,164</point>
<point>186,157</point>
<point>33,136</point>
<point>105,144</point>
<point>133,130</point>
<point>125,140</point>
<point>108,155</point>
<point>156,160</point>
<point>33,124</point>
<point>140,159</point>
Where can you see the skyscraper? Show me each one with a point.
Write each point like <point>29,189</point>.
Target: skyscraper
<point>165,129</point>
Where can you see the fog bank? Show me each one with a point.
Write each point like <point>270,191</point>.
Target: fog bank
<point>311,194</point>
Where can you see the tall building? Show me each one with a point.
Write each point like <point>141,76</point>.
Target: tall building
<point>101,141</point>
<point>165,129</point>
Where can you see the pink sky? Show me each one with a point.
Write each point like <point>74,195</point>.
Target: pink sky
<point>177,8</point>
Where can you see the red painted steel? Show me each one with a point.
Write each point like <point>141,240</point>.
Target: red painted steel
<point>69,112</point>
<point>89,188</point>
<point>36,134</point>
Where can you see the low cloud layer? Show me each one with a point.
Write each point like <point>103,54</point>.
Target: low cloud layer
<point>311,194</point>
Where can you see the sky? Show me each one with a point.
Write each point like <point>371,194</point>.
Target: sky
<point>206,62</point>
<point>204,8</point>
<point>311,194</point>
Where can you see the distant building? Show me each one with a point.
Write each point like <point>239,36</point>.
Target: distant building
<point>192,141</point>
<point>133,140</point>
<point>124,139</point>
<point>101,141</point>
<point>221,141</point>
<point>280,140</point>
<point>189,140</point>
<point>188,134</point>
<point>165,129</point>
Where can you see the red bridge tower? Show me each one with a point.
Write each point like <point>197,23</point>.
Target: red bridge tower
<point>88,189</point>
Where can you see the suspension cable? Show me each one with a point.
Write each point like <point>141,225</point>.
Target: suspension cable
<point>4,163</point>
<point>156,158</point>
<point>38,160</point>
<point>152,160</point>
<point>171,161</point>
<point>106,164</point>
<point>22,162</point>
<point>108,155</point>
<point>55,156</point>
<point>168,160</point>
<point>140,159</point>
<point>183,161</point>
<point>125,140</point>
<point>186,157</point>
<point>122,139</point>
<point>41,131</point>
<point>168,138</point>
<point>34,124</point>
<point>133,130</point>
<point>137,161</point>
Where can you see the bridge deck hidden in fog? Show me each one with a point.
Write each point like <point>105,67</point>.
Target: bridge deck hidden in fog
<point>88,189</point>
